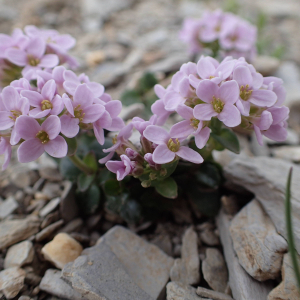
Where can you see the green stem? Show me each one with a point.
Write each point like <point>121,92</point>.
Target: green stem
<point>289,227</point>
<point>81,165</point>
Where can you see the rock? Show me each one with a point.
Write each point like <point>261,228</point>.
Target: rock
<point>14,231</point>
<point>7,207</point>
<point>209,238</point>
<point>19,255</point>
<point>187,268</point>
<point>61,250</point>
<point>46,232</point>
<point>214,270</point>
<point>94,58</point>
<point>54,285</point>
<point>287,289</point>
<point>266,65</point>
<point>203,292</point>
<point>23,178</point>
<point>12,281</point>
<point>99,275</point>
<point>163,241</point>
<point>50,173</point>
<point>145,263</point>
<point>180,291</point>
<point>51,190</point>
<point>74,225</point>
<point>243,286</point>
<point>25,298</point>
<point>51,206</point>
<point>258,246</point>
<point>68,207</point>
<point>133,110</point>
<point>266,178</point>
<point>230,204</point>
<point>32,279</point>
<point>290,153</point>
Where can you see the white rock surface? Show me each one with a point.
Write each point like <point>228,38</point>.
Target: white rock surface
<point>291,153</point>
<point>266,65</point>
<point>19,255</point>
<point>181,291</point>
<point>7,207</point>
<point>53,204</point>
<point>206,293</point>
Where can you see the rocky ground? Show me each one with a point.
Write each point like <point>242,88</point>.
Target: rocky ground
<point>48,251</point>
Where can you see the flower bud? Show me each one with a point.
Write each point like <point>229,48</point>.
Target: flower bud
<point>146,183</point>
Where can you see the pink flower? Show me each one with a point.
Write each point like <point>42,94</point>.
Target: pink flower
<point>140,124</point>
<point>169,147</point>
<point>45,103</point>
<point>39,138</point>
<point>121,168</point>
<point>219,102</point>
<point>275,84</point>
<point>5,148</point>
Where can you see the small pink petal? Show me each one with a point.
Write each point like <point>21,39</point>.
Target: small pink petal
<point>36,47</point>
<point>57,147</point>
<point>5,120</point>
<point>52,126</point>
<point>49,90</point>
<point>49,61</point>
<point>162,154</point>
<point>230,115</point>
<point>189,155</point>
<point>156,134</point>
<point>182,129</point>
<point>206,90</point>
<point>69,126</point>
<point>202,137</point>
<point>33,97</point>
<point>263,98</point>
<point>114,108</point>
<point>229,92</point>
<point>38,113</point>
<point>93,113</point>
<point>185,112</point>
<point>16,56</point>
<point>204,112</point>
<point>30,150</point>
<point>27,127</point>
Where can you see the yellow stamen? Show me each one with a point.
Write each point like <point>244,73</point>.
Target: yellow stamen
<point>43,137</point>
<point>15,114</point>
<point>33,61</point>
<point>46,104</point>
<point>114,139</point>
<point>173,146</point>
<point>194,123</point>
<point>217,104</point>
<point>78,113</point>
<point>245,93</point>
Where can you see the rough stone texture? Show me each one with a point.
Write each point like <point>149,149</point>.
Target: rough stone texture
<point>12,281</point>
<point>99,275</point>
<point>46,232</point>
<point>206,293</point>
<point>145,263</point>
<point>14,231</point>
<point>287,289</point>
<point>181,291</point>
<point>19,255</point>
<point>243,286</point>
<point>7,207</point>
<point>266,65</point>
<point>49,207</point>
<point>214,270</point>
<point>291,153</point>
<point>54,285</point>
<point>61,250</point>
<point>186,269</point>
<point>258,246</point>
<point>268,184</point>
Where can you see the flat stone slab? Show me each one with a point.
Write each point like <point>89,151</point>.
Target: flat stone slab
<point>180,291</point>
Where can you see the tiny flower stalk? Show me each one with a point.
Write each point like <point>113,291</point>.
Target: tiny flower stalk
<point>79,163</point>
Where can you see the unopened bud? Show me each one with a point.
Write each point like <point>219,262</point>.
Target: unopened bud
<point>152,176</point>
<point>146,183</point>
<point>163,172</point>
<point>131,153</point>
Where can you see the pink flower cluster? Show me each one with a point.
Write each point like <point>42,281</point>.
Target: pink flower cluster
<point>231,91</point>
<point>233,35</point>
<point>35,49</point>
<point>38,118</point>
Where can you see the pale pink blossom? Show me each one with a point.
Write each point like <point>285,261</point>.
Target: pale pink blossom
<point>121,168</point>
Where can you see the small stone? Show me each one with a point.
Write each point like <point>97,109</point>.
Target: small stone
<point>131,111</point>
<point>23,178</point>
<point>95,58</point>
<point>74,225</point>
<point>291,153</point>
<point>19,255</point>
<point>287,289</point>
<point>206,293</point>
<point>163,241</point>
<point>12,281</point>
<point>214,270</point>
<point>25,298</point>
<point>51,190</point>
<point>80,237</point>
<point>7,207</point>
<point>68,207</point>
<point>32,279</point>
<point>51,218</point>
<point>187,268</point>
<point>266,65</point>
<point>230,204</point>
<point>61,250</point>
<point>209,238</point>
<point>46,232</point>
<point>14,231</point>
<point>51,174</point>
<point>180,291</point>
<point>54,285</point>
<point>52,205</point>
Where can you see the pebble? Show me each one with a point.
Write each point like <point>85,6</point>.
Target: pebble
<point>61,250</point>
<point>25,298</point>
<point>181,291</point>
<point>209,238</point>
<point>133,110</point>
<point>51,206</point>
<point>46,232</point>
<point>206,293</point>
<point>80,237</point>
<point>51,190</point>
<point>24,178</point>
<point>214,270</point>
<point>230,204</point>
<point>74,225</point>
<point>32,279</point>
<point>49,219</point>
<point>163,241</point>
<point>266,65</point>
<point>51,174</point>
<point>7,207</point>
<point>291,153</point>
<point>12,281</point>
<point>19,255</point>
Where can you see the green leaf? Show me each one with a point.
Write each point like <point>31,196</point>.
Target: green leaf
<point>104,175</point>
<point>130,97</point>
<point>209,175</point>
<point>169,169</point>
<point>146,82</point>
<point>90,161</point>
<point>228,139</point>
<point>84,181</point>
<point>131,211</point>
<point>112,187</point>
<point>90,200</point>
<point>72,145</point>
<point>216,125</point>
<point>68,170</point>
<point>167,187</point>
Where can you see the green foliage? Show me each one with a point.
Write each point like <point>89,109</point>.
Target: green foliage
<point>167,187</point>
<point>72,145</point>
<point>84,181</point>
<point>231,6</point>
<point>227,139</point>
<point>90,200</point>
<point>209,175</point>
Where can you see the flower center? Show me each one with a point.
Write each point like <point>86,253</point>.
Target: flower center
<point>233,38</point>
<point>78,113</point>
<point>173,146</point>
<point>194,123</point>
<point>43,137</point>
<point>115,139</point>
<point>245,93</point>
<point>211,77</point>
<point>217,104</point>
<point>15,114</point>
<point>33,61</point>
<point>46,104</point>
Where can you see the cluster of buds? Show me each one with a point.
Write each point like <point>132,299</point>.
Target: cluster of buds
<point>224,33</point>
<point>24,53</point>
<point>231,91</point>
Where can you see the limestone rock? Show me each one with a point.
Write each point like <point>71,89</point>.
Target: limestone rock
<point>291,153</point>
<point>14,231</point>
<point>266,65</point>
<point>52,205</point>
<point>12,281</point>
<point>266,177</point>
<point>287,289</point>
<point>214,270</point>
<point>258,246</point>
<point>206,293</point>
<point>61,250</point>
<point>145,263</point>
<point>19,255</point>
<point>7,207</point>
<point>54,285</point>
<point>99,275</point>
<point>187,269</point>
<point>181,291</point>
<point>49,230</point>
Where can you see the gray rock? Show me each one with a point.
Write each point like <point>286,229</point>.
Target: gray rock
<point>214,270</point>
<point>51,174</point>
<point>54,285</point>
<point>145,263</point>
<point>187,269</point>
<point>7,207</point>
<point>258,246</point>
<point>51,190</point>
<point>99,275</point>
<point>74,225</point>
<point>51,206</point>
<point>19,255</point>
<point>133,110</point>
<point>287,289</point>
<point>209,238</point>
<point>181,291</point>
<point>11,281</point>
<point>266,65</point>
<point>14,231</point>
<point>266,178</point>
<point>206,293</point>
<point>243,286</point>
<point>46,232</point>
<point>291,153</point>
